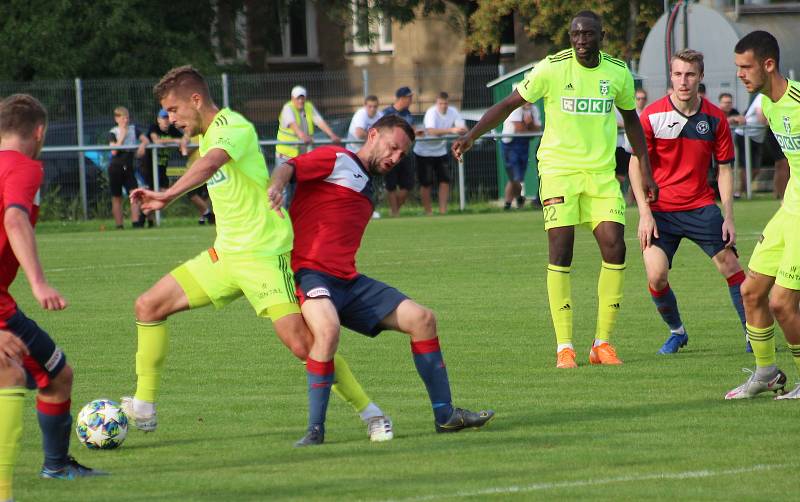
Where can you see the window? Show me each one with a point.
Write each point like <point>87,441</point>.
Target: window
<point>508,44</point>
<point>297,38</point>
<point>381,29</point>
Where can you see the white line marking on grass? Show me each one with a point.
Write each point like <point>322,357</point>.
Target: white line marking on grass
<point>502,490</point>
<point>95,267</point>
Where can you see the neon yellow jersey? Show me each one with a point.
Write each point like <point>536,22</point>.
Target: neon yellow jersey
<point>784,120</point>
<point>580,132</point>
<point>238,190</point>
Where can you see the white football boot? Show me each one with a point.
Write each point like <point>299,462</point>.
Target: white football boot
<point>753,386</point>
<point>380,429</point>
<point>143,423</point>
<point>793,394</point>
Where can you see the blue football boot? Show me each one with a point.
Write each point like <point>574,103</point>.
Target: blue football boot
<point>674,343</point>
<point>71,470</point>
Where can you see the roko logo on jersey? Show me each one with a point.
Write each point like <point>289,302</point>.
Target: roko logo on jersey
<point>788,143</point>
<point>587,106</point>
<point>218,178</point>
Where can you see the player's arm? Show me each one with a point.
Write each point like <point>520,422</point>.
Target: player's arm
<point>281,177</point>
<point>23,243</point>
<point>635,133</point>
<point>200,171</point>
<point>647,230</point>
<point>725,183</point>
<point>493,117</point>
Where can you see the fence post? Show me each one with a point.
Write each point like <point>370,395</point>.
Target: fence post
<point>156,184</point>
<point>462,197</point>
<point>226,97</point>
<point>81,156</point>
<point>365,81</point>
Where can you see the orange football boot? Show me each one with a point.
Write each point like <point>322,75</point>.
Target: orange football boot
<point>566,359</point>
<point>604,354</point>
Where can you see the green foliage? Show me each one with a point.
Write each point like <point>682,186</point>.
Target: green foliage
<point>54,39</point>
<point>625,22</point>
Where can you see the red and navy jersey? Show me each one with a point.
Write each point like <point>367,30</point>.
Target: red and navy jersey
<point>680,150</point>
<point>20,178</point>
<point>331,208</point>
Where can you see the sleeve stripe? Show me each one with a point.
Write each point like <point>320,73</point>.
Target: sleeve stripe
<point>20,207</point>
<point>726,161</point>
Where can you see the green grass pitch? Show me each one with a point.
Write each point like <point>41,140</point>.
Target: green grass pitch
<point>233,398</point>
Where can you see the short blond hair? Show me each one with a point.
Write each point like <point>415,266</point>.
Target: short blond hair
<point>689,56</point>
<point>121,110</point>
<point>21,114</point>
<point>185,79</point>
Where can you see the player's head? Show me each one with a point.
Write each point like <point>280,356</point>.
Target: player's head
<point>184,93</point>
<point>585,35</point>
<point>388,141</point>
<point>24,118</point>
<point>371,105</point>
<point>686,73</point>
<point>757,58</point>
<point>121,116</point>
<point>725,101</point>
<point>442,102</point>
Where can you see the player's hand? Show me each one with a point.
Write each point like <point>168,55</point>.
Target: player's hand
<point>276,199</point>
<point>48,297</point>
<point>647,231</point>
<point>12,349</point>
<point>149,200</point>
<point>461,146</point>
<point>728,233</point>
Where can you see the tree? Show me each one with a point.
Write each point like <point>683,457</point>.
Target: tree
<point>54,39</point>
<point>625,22</point>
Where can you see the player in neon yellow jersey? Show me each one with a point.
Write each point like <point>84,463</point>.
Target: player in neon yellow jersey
<point>580,88</point>
<point>250,256</point>
<point>772,288</point>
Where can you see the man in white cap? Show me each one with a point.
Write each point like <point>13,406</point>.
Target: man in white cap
<point>294,125</point>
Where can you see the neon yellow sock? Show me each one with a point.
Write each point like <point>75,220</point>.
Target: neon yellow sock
<point>12,400</point>
<point>153,344</point>
<point>347,387</point>
<point>609,298</point>
<point>559,293</point>
<point>763,342</point>
<point>795,350</point>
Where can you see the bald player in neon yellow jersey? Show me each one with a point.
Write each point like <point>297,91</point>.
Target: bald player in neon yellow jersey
<point>772,288</point>
<point>250,257</point>
<point>580,88</point>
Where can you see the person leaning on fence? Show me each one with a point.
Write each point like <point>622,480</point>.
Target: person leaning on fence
<point>161,133</point>
<point>400,180</point>
<point>121,170</point>
<point>296,122</point>
<point>362,120</point>
<point>432,158</point>
<point>524,119</point>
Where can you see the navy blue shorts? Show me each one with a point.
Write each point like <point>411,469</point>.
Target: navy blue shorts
<point>45,360</point>
<point>703,226</point>
<point>362,303</point>
<point>515,156</point>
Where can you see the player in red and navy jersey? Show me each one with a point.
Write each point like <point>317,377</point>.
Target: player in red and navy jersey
<point>331,208</point>
<point>23,121</point>
<point>683,133</point>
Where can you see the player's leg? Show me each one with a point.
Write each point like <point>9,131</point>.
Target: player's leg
<point>420,324</point>
<point>561,212</point>
<point>48,367</point>
<point>12,402</point>
<point>728,265</point>
<point>785,299</point>
<point>657,264</point>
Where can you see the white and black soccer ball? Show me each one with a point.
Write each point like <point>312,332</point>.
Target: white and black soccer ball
<point>102,425</point>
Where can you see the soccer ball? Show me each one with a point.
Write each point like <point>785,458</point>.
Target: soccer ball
<point>102,425</point>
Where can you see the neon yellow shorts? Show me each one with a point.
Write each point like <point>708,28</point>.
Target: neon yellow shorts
<point>777,253</point>
<point>267,282</point>
<point>575,198</point>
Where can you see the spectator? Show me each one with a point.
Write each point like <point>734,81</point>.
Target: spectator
<point>361,122</point>
<point>432,158</point>
<point>526,118</point>
<point>121,170</point>
<point>726,105</point>
<point>294,125</point>
<point>753,117</point>
<point>160,133</point>
<point>400,179</point>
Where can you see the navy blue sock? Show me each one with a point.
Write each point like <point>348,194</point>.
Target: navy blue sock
<point>430,366</point>
<point>667,306</point>
<point>56,424</point>
<point>320,379</point>
<point>735,289</point>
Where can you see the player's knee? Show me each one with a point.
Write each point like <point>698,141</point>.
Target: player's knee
<point>424,326</point>
<point>147,308</point>
<point>657,280</point>
<point>60,385</point>
<point>782,307</point>
<point>751,296</point>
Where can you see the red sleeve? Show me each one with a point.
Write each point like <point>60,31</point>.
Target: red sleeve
<point>314,165</point>
<point>723,146</point>
<point>21,185</point>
